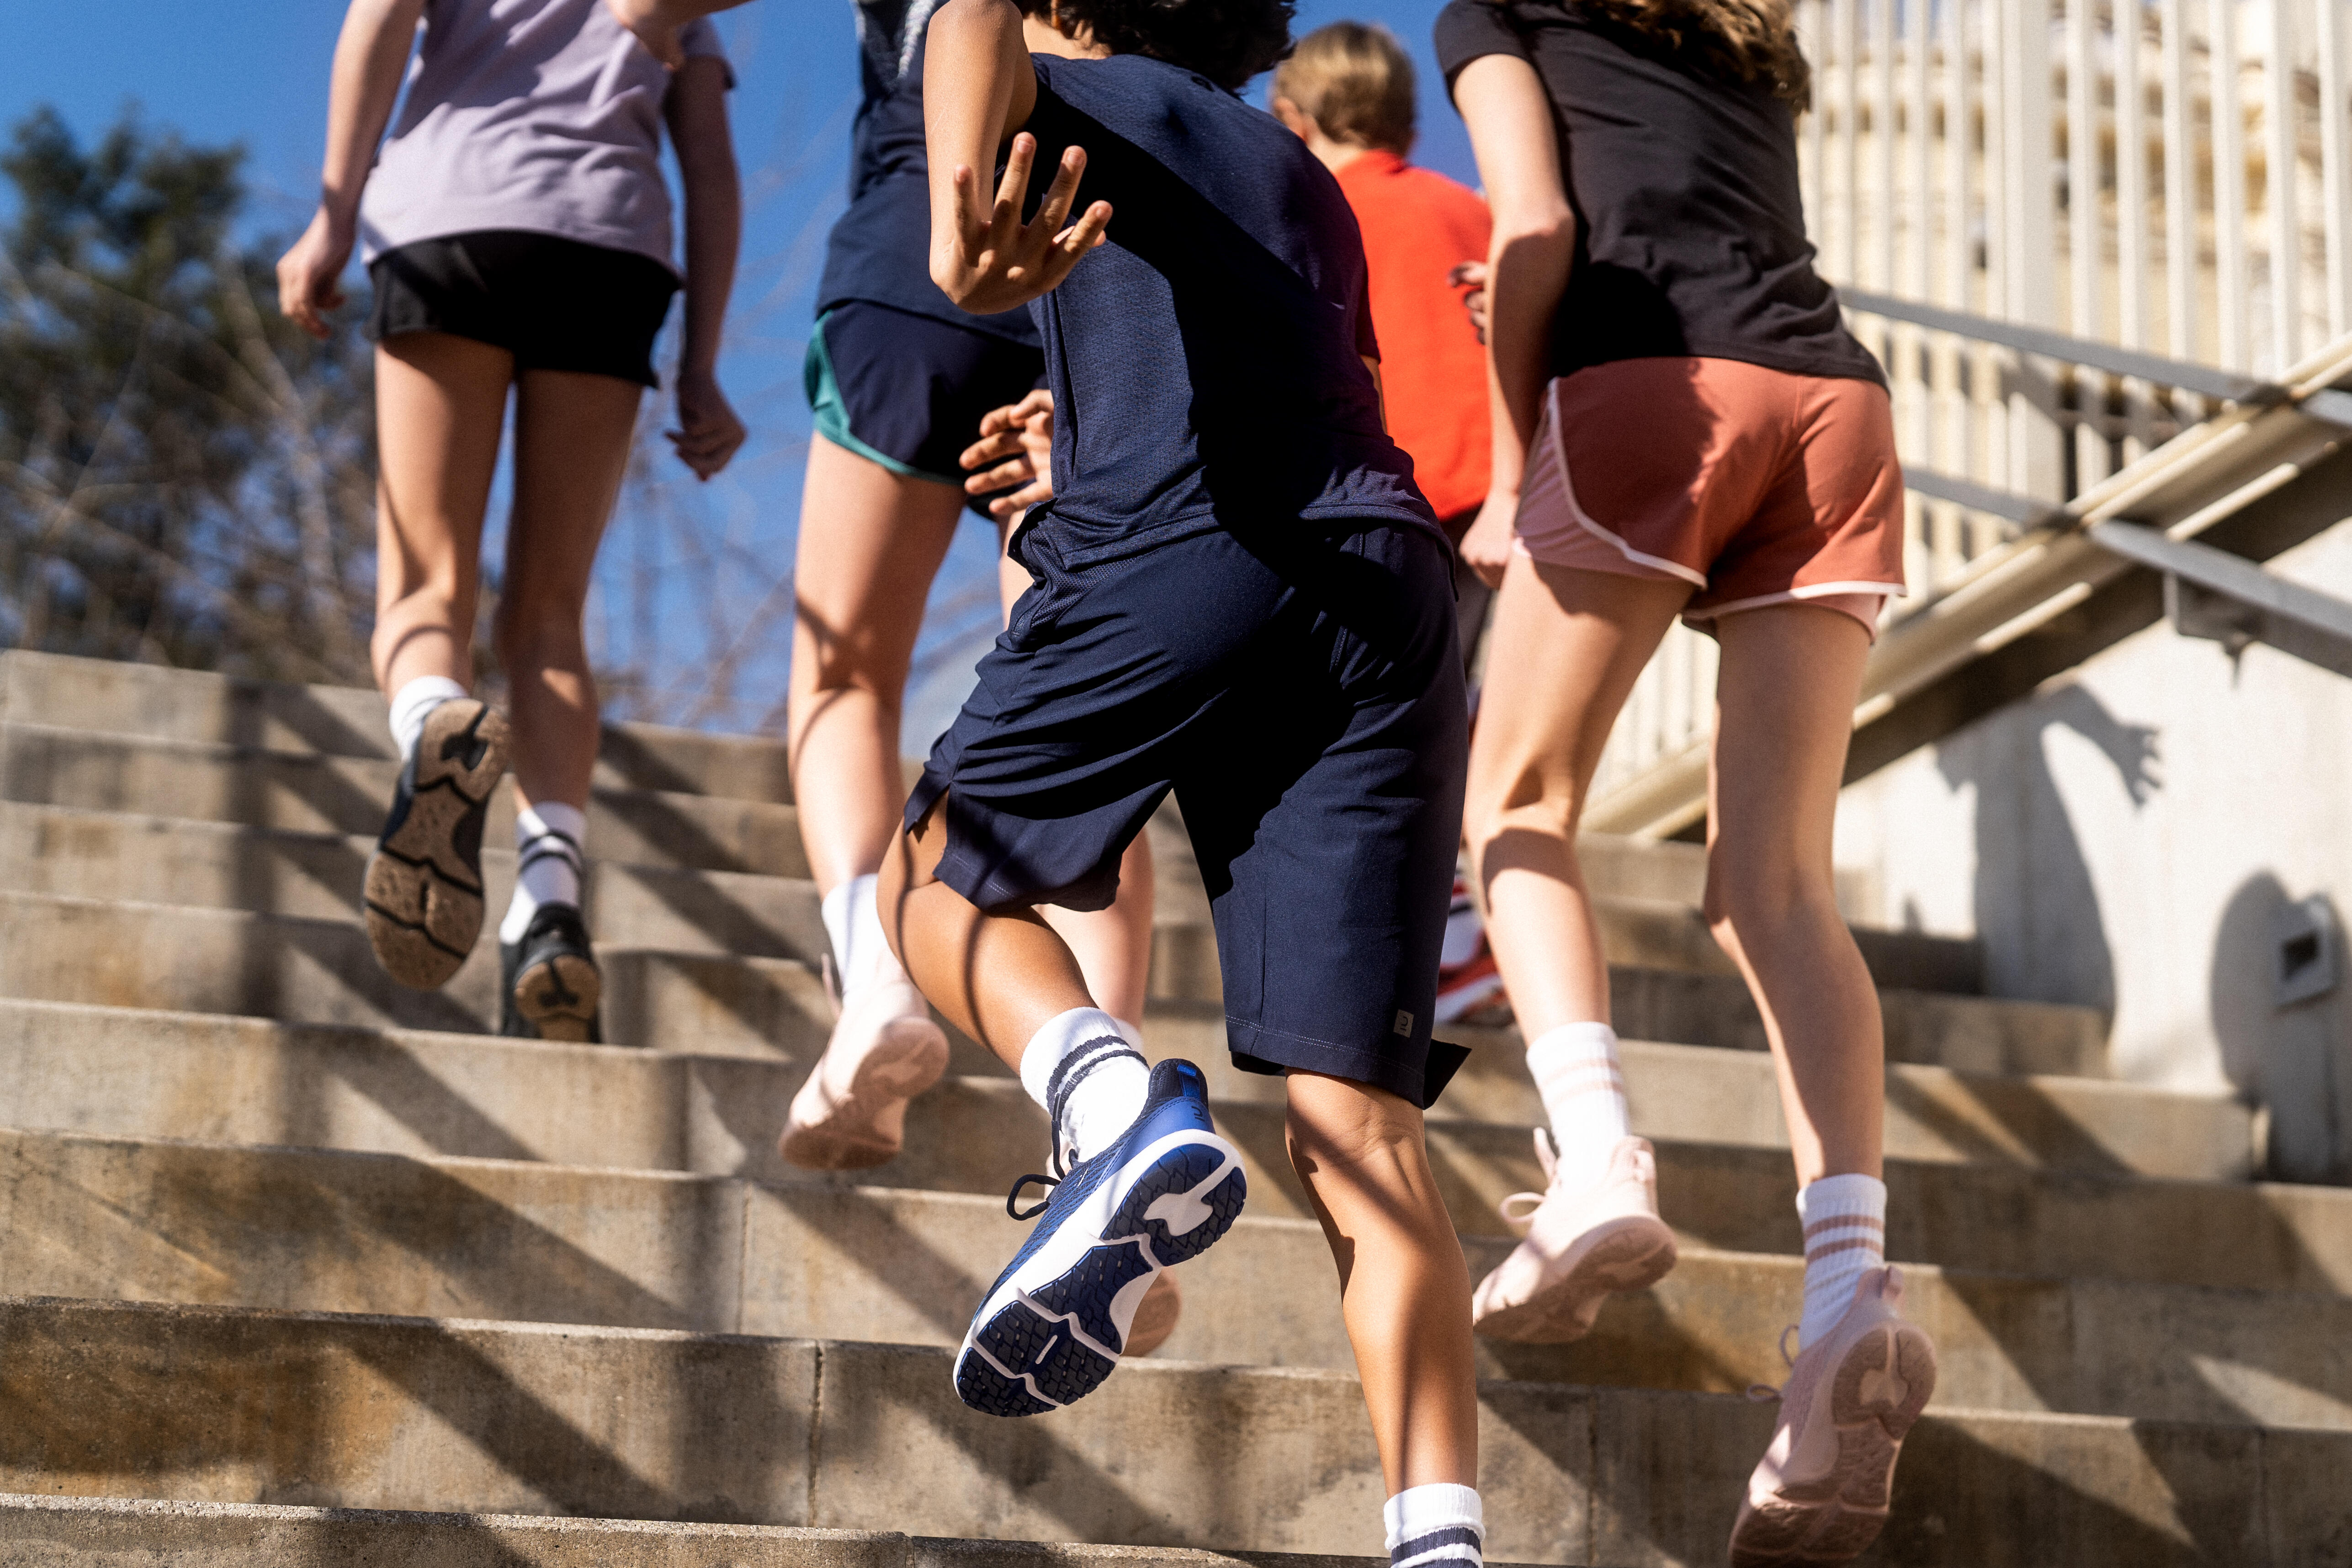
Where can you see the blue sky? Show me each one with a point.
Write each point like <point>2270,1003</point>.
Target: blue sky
<point>254,72</point>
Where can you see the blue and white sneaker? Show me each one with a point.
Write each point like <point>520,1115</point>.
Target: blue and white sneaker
<point>1055,1322</point>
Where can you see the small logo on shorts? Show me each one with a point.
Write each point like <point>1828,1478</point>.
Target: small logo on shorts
<point>1404,1024</point>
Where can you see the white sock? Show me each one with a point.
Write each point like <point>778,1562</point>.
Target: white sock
<point>414,702</point>
<point>1845,1236</point>
<point>550,846</point>
<point>1080,1068</point>
<point>1575,1069</point>
<point>853,923</point>
<point>1435,1526</point>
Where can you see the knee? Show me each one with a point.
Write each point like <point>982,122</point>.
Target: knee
<point>1344,1126</point>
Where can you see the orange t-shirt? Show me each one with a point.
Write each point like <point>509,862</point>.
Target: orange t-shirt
<point>1417,224</point>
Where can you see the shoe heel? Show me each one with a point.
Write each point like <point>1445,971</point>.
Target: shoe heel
<point>1185,1202</point>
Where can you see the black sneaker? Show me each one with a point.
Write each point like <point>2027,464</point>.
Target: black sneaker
<point>549,984</point>
<point>423,887</point>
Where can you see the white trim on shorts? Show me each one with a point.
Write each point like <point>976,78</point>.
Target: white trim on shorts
<point>1797,595</point>
<point>1576,508</point>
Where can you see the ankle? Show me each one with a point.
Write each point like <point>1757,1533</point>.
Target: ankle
<point>1091,1081</point>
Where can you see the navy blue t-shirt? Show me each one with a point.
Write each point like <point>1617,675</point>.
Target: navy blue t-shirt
<point>879,249</point>
<point>1205,361</point>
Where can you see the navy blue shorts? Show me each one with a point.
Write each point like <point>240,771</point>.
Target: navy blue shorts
<point>1299,689</point>
<point>907,391</point>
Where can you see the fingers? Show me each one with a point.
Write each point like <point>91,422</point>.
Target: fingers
<point>1013,189</point>
<point>1062,191</point>
<point>994,448</point>
<point>971,220</point>
<point>1003,476</point>
<point>1039,401</point>
<point>1070,247</point>
<point>1006,507</point>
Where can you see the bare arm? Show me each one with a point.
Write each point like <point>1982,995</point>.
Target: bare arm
<point>655,23</point>
<point>708,431</point>
<point>979,87</point>
<point>370,56</point>
<point>1509,118</point>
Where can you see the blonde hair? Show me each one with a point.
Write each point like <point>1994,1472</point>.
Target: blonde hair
<point>1748,41</point>
<point>1355,82</point>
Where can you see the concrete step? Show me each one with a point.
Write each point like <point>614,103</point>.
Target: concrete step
<point>190,958</point>
<point>227,1226</point>
<point>345,721</point>
<point>311,792</point>
<point>211,1404</point>
<point>106,1532</point>
<point>252,1081</point>
<point>977,1135</point>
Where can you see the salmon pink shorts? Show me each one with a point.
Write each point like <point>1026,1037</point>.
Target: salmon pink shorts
<point>1755,486</point>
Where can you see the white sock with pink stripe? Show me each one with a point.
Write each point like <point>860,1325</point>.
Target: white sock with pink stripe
<point>1845,1237</point>
<point>1575,1069</point>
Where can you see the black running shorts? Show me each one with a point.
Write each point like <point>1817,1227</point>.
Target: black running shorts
<point>554,303</point>
<point>1300,692</point>
<point>907,391</point>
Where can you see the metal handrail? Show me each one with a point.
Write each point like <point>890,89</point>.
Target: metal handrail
<point>2202,379</point>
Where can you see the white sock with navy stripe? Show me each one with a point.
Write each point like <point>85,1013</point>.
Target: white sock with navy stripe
<point>1576,1072</point>
<point>1435,1526</point>
<point>1090,1080</point>
<point>550,846</point>
<point>1845,1237</point>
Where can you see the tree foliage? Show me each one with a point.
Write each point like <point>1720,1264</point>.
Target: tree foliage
<point>184,478</point>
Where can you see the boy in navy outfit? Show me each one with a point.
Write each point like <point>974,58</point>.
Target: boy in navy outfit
<point>1240,595</point>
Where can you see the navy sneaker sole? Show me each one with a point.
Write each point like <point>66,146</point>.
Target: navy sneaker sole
<point>1056,1325</point>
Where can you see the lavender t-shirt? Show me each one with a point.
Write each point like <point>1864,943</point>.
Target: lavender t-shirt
<point>543,115</point>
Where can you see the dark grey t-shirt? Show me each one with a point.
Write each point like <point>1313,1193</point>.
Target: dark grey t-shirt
<point>1690,225</point>
<point>541,115</point>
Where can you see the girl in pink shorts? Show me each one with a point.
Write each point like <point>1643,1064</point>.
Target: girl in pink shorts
<point>1682,428</point>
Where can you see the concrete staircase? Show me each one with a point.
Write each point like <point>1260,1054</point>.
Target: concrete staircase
<point>299,1267</point>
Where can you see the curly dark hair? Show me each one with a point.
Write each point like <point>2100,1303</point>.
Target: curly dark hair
<point>1748,41</point>
<point>1228,41</point>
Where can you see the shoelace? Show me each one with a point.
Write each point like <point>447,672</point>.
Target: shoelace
<point>1761,1392</point>
<point>1012,1199</point>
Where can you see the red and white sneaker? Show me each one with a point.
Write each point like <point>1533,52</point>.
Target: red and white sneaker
<point>884,1049</point>
<point>1579,1246</point>
<point>1469,985</point>
<point>1820,1494</point>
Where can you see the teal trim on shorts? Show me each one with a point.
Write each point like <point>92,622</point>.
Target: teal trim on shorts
<point>823,389</point>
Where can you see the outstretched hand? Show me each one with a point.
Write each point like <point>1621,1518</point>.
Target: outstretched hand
<point>993,261</point>
<point>1015,448</point>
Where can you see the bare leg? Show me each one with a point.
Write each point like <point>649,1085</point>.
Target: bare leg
<point>440,402</point>
<point>999,978</point>
<point>1566,649</point>
<point>1113,945</point>
<point>1404,1290</point>
<point>572,434</point>
<point>1784,713</point>
<point>870,544</point>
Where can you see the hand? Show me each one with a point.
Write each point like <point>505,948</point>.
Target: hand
<point>709,432</point>
<point>995,262</point>
<point>1487,546</point>
<point>656,28</point>
<point>1472,275</point>
<point>1018,440</point>
<point>311,276</point>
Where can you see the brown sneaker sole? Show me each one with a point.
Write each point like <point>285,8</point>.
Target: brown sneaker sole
<point>1155,1315</point>
<point>867,1126</point>
<point>1631,1253</point>
<point>559,996</point>
<point>1875,1398</point>
<point>424,886</point>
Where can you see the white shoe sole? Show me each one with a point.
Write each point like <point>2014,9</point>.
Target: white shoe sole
<point>1631,1252</point>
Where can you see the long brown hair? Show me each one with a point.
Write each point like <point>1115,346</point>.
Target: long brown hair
<point>1748,41</point>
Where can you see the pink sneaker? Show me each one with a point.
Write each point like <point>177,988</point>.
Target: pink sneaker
<point>1820,1494</point>
<point>852,1113</point>
<point>1580,1246</point>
